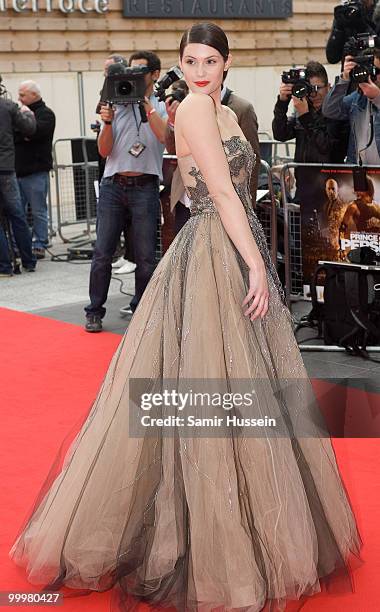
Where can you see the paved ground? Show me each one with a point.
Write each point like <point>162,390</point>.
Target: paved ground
<point>59,290</point>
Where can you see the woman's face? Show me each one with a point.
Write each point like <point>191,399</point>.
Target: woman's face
<point>203,68</point>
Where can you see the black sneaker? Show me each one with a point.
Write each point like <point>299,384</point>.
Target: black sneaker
<point>39,253</point>
<point>29,269</point>
<point>93,323</point>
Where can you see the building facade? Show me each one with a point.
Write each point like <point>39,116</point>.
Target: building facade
<point>62,44</point>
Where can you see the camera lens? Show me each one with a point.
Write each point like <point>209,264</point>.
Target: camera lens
<point>360,74</point>
<point>124,88</point>
<point>300,90</point>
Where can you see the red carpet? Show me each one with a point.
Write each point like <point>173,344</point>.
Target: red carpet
<point>50,373</point>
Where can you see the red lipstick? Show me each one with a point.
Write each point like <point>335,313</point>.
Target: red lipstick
<point>202,83</point>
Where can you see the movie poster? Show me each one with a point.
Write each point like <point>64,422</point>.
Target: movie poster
<point>335,218</point>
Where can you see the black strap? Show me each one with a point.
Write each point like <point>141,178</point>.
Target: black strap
<point>226,97</point>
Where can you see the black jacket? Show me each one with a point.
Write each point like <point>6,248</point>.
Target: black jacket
<point>12,119</point>
<point>318,140</point>
<point>342,30</point>
<point>34,154</point>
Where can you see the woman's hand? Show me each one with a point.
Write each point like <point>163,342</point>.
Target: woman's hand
<point>258,292</point>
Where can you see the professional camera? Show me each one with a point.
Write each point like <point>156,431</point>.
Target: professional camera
<point>364,69</point>
<point>348,12</point>
<point>361,42</point>
<point>178,94</point>
<point>365,61</point>
<point>299,79</point>
<point>173,75</point>
<point>124,85</point>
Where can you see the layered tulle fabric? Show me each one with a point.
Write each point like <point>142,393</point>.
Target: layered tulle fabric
<point>232,523</point>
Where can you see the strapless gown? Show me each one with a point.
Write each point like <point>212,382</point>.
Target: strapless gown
<point>229,523</point>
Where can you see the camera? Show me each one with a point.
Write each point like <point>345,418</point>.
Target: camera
<point>178,94</point>
<point>298,77</point>
<point>365,61</point>
<point>173,75</point>
<point>361,42</point>
<point>124,85</point>
<point>348,12</point>
<point>365,68</point>
<point>95,127</point>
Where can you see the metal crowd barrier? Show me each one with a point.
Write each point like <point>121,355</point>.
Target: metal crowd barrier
<point>74,187</point>
<point>293,246</point>
<point>270,149</point>
<point>266,211</point>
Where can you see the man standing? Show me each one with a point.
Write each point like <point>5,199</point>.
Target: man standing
<point>13,119</point>
<point>33,162</point>
<point>361,108</point>
<point>129,188</point>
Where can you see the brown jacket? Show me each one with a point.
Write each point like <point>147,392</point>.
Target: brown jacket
<point>247,120</point>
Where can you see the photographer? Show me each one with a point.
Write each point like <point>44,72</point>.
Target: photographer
<point>351,17</point>
<point>12,120</point>
<point>318,139</point>
<point>124,264</point>
<point>129,188</point>
<point>247,120</point>
<point>361,108</point>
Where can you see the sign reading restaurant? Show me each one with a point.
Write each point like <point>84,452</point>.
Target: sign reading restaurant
<point>217,9</point>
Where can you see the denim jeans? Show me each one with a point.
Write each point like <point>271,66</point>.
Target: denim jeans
<point>116,204</point>
<point>34,189</point>
<point>10,201</point>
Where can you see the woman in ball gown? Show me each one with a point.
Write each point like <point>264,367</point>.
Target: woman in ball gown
<point>236,522</point>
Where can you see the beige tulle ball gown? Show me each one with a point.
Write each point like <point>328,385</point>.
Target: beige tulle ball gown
<point>231,523</point>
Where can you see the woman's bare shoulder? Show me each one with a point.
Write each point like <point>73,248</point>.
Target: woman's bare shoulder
<point>231,113</point>
<point>194,102</point>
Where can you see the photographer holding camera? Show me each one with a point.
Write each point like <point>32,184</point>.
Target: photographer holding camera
<point>13,120</point>
<point>318,139</point>
<point>132,139</point>
<point>361,107</point>
<point>351,17</point>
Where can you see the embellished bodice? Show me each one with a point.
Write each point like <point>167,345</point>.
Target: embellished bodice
<point>241,160</point>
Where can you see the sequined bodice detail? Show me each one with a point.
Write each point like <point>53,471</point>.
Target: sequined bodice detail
<point>241,160</point>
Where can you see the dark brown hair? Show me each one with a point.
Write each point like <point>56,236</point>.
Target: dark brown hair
<point>315,69</point>
<point>152,60</point>
<point>206,34</point>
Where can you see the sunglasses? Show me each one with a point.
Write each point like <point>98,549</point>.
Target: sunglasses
<point>316,88</point>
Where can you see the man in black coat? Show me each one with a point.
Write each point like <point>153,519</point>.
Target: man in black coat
<point>318,139</point>
<point>33,162</point>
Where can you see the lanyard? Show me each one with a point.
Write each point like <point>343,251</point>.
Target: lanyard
<point>138,125</point>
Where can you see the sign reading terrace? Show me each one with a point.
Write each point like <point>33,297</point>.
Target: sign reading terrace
<point>217,9</point>
<point>64,6</point>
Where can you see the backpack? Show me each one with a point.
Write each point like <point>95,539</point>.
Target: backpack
<point>350,313</point>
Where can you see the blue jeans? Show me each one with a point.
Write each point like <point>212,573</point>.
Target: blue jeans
<point>10,202</point>
<point>117,203</point>
<point>34,189</point>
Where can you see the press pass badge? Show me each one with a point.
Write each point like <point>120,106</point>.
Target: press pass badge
<point>137,148</point>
